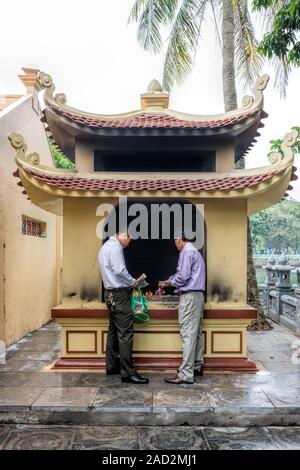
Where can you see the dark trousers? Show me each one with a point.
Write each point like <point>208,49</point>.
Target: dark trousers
<point>120,332</point>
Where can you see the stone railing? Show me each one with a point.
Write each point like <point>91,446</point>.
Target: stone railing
<point>280,300</point>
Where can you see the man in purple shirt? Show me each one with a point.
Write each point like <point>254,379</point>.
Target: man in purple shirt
<point>189,282</point>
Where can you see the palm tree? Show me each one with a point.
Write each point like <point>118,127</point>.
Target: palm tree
<point>282,66</point>
<point>184,19</point>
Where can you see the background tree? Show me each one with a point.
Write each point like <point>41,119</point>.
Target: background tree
<point>184,19</point>
<point>281,44</point>
<point>277,228</point>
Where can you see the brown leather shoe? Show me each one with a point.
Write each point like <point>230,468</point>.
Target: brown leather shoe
<point>199,372</point>
<point>177,381</point>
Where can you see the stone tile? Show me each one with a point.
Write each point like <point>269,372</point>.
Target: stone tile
<point>52,325</point>
<point>268,346</point>
<point>14,364</point>
<point>40,346</point>
<point>239,439</point>
<point>12,379</point>
<point>285,398</point>
<point>288,380</point>
<point>207,380</point>
<point>8,367</point>
<point>39,438</point>
<point>106,438</point>
<point>31,365</point>
<point>124,397</point>
<point>242,398</point>
<point>50,379</point>
<point>92,379</point>
<point>171,438</point>
<point>286,437</point>
<point>30,356</point>
<point>12,397</point>
<point>182,398</point>
<point>4,432</point>
<point>266,356</point>
<point>70,398</point>
<point>261,380</point>
<point>282,367</point>
<point>44,332</point>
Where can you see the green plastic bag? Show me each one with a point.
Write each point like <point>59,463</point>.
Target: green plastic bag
<point>139,306</point>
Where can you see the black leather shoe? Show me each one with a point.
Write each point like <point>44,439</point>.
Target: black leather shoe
<point>113,372</point>
<point>135,379</point>
<point>199,372</point>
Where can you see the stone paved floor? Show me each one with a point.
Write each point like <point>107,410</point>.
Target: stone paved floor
<point>31,393</point>
<point>36,437</point>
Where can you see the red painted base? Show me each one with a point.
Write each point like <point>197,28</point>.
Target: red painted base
<point>160,364</point>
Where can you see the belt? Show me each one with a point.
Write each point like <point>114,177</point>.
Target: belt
<point>182,292</point>
<point>119,289</point>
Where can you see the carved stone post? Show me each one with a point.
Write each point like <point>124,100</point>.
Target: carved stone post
<point>2,352</point>
<point>269,282</point>
<point>283,283</point>
<point>297,295</point>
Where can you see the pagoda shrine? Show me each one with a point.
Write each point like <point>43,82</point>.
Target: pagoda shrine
<point>155,154</point>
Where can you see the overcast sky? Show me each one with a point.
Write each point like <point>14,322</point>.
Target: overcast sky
<point>93,57</point>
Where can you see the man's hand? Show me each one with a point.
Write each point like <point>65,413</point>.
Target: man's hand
<point>165,283</point>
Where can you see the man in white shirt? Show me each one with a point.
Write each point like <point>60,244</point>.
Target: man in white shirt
<point>118,284</point>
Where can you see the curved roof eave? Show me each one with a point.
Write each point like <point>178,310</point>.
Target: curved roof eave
<point>67,120</point>
<point>55,184</point>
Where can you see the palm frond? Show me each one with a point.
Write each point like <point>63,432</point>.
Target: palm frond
<point>282,72</point>
<point>150,16</point>
<point>266,15</point>
<point>248,60</point>
<point>183,42</point>
<point>217,15</point>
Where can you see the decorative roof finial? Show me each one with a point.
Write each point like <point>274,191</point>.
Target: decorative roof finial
<point>46,83</point>
<point>154,97</point>
<point>286,148</point>
<point>154,87</point>
<point>17,142</point>
<point>260,85</point>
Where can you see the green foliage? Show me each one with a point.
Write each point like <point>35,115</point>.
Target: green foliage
<point>283,39</point>
<point>276,144</point>
<point>61,160</point>
<point>277,227</point>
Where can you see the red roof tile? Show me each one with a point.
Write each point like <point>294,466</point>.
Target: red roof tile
<point>107,184</point>
<point>154,121</point>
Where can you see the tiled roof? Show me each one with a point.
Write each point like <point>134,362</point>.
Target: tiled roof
<point>109,184</point>
<point>155,121</point>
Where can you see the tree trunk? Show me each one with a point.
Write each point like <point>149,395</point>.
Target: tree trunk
<point>229,88</point>
<point>230,102</point>
<point>253,297</point>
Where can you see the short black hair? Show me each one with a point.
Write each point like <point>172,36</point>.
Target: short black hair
<point>180,235</point>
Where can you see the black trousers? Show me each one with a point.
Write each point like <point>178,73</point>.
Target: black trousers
<point>120,332</point>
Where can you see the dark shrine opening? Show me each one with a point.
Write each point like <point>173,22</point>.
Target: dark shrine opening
<point>156,161</point>
<point>158,258</point>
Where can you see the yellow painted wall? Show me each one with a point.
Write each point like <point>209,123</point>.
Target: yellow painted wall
<point>80,248</point>
<point>226,225</point>
<point>27,263</point>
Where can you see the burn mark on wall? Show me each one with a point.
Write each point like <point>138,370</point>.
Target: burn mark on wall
<point>220,292</point>
<point>89,294</point>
